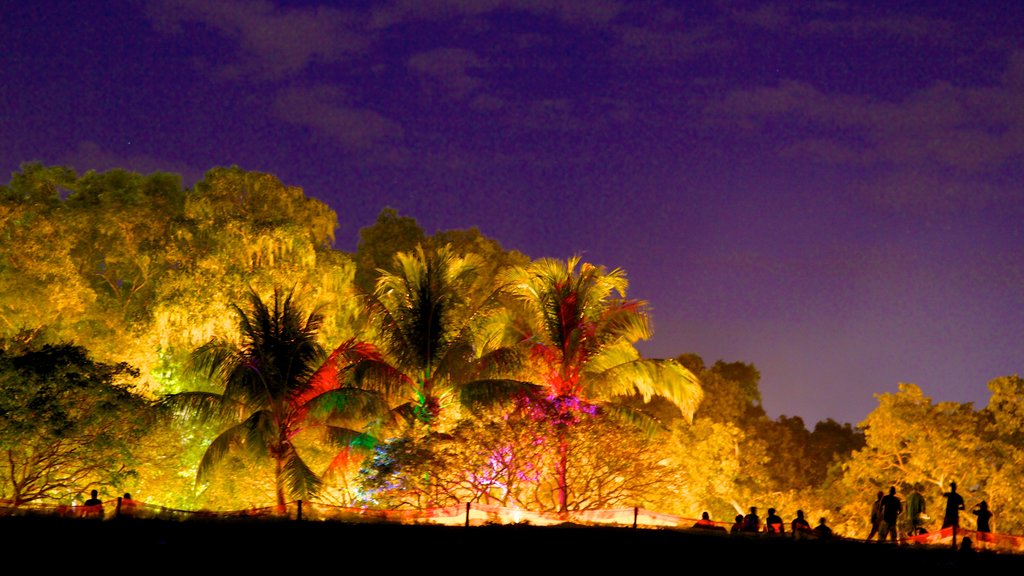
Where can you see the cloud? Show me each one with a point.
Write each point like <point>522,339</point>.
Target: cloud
<point>273,42</point>
<point>324,110</point>
<point>964,129</point>
<point>591,12</point>
<point>447,71</point>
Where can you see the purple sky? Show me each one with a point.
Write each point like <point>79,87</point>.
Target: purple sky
<point>831,192</point>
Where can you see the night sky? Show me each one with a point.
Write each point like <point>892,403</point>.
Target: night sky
<point>832,191</point>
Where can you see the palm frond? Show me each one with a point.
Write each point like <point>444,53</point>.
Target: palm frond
<point>489,393</point>
<point>626,414</point>
<point>199,407</point>
<point>347,405</point>
<point>299,479</point>
<point>261,433</point>
<point>648,378</point>
<point>218,449</point>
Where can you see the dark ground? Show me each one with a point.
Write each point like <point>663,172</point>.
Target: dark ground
<point>143,546</point>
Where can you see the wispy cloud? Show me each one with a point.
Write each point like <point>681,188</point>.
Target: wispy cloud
<point>447,71</point>
<point>273,41</point>
<point>325,110</point>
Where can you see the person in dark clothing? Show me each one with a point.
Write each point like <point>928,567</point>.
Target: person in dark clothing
<point>890,509</point>
<point>984,515</point>
<point>752,522</point>
<point>822,530</point>
<point>93,506</point>
<point>773,523</point>
<point>800,527</point>
<point>737,526</point>
<point>876,517</point>
<point>954,504</point>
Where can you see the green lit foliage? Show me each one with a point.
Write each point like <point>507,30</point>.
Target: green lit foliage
<point>67,423</point>
<point>421,352</point>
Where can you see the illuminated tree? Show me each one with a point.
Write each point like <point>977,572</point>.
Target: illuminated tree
<point>911,440</point>
<point>245,231</point>
<point>423,353</point>
<point>42,294</point>
<point>267,391</point>
<point>67,423</point>
<point>580,331</point>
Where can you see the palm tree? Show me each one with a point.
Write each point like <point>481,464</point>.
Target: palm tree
<point>269,392</point>
<point>580,330</point>
<point>425,352</point>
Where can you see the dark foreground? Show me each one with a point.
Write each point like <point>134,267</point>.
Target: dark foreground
<point>125,546</point>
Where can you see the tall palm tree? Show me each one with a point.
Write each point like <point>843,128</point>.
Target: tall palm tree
<point>580,330</point>
<point>269,391</point>
<point>424,352</point>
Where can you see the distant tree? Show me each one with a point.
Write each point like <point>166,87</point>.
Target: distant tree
<point>67,423</point>
<point>378,244</point>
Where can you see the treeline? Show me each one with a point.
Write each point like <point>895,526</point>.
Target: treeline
<point>436,369</point>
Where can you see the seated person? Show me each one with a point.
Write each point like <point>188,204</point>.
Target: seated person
<point>822,531</point>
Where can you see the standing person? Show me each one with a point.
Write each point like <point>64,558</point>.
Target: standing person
<point>752,522</point>
<point>891,507</point>
<point>93,506</point>
<point>984,515</point>
<point>773,523</point>
<point>876,518</point>
<point>916,509</point>
<point>954,504</point>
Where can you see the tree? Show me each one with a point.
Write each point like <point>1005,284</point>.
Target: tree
<point>242,231</point>
<point>267,381</point>
<point>42,295</point>
<point>421,352</point>
<point>379,242</point>
<point>911,440</point>
<point>580,331</point>
<point>67,423</point>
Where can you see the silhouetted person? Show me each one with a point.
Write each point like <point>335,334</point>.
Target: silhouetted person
<point>984,515</point>
<point>705,521</point>
<point>890,508</point>
<point>954,504</point>
<point>737,526</point>
<point>876,517</point>
<point>916,510</point>
<point>773,523</point>
<point>752,522</point>
<point>93,506</point>
<point>966,546</point>
<point>822,530</point>
<point>126,506</point>
<point>800,527</point>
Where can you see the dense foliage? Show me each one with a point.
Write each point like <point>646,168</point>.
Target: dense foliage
<point>458,372</point>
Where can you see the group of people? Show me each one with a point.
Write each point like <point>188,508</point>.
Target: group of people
<point>887,509</point>
<point>773,525</point>
<point>93,506</point>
